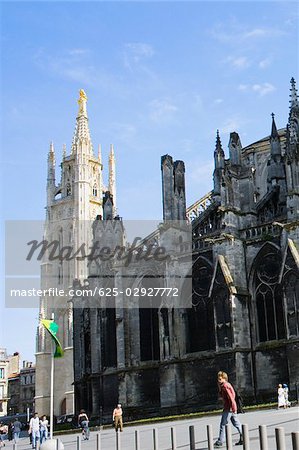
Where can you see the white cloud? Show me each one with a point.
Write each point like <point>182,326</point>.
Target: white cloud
<point>264,63</point>
<point>261,89</point>
<point>230,125</point>
<point>135,53</point>
<point>243,87</point>
<point>217,101</point>
<point>240,62</point>
<point>239,33</point>
<point>162,110</point>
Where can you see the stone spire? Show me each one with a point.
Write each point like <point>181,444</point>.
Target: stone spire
<point>51,174</point>
<point>100,153</point>
<point>219,165</point>
<point>218,153</point>
<point>63,151</point>
<point>294,96</point>
<point>82,140</point>
<point>112,180</point>
<point>274,139</point>
<point>294,115</point>
<point>51,162</point>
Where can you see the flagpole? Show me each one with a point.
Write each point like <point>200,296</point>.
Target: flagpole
<point>52,388</point>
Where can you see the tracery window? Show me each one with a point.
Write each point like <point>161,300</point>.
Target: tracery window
<point>68,190</point>
<point>221,298</point>
<point>200,329</point>
<point>291,295</point>
<point>268,295</point>
<point>149,324</point>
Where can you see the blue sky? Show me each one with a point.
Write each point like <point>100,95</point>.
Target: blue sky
<point>161,77</point>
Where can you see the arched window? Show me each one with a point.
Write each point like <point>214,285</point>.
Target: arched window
<point>268,295</point>
<point>149,324</point>
<point>200,329</point>
<point>95,190</point>
<point>291,295</point>
<point>68,189</point>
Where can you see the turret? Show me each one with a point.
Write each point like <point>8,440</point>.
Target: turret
<point>108,206</point>
<point>219,165</point>
<point>82,141</point>
<point>51,174</point>
<point>235,149</point>
<point>173,189</point>
<point>179,190</point>
<point>274,139</point>
<point>112,180</point>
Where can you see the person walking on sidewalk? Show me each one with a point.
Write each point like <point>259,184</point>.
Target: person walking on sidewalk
<point>117,417</point>
<point>229,409</point>
<point>17,428</point>
<point>34,429</point>
<point>83,422</point>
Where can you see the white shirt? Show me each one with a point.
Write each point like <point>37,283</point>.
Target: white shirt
<point>34,424</point>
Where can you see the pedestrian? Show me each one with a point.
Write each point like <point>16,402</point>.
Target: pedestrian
<point>281,397</point>
<point>83,422</point>
<point>286,395</point>
<point>117,417</point>
<point>17,427</point>
<point>3,434</point>
<point>10,431</point>
<point>34,429</point>
<point>227,394</point>
<point>43,427</point>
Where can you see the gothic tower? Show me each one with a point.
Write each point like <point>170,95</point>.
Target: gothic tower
<point>72,204</point>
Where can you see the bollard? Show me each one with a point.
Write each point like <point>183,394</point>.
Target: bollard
<point>57,444</point>
<point>79,442</point>
<point>210,437</point>
<point>192,437</point>
<point>295,440</point>
<point>15,447</point>
<point>98,441</point>
<point>245,433</point>
<point>155,439</point>
<point>137,440</point>
<point>263,437</point>
<point>173,438</point>
<point>117,440</point>
<point>229,439</point>
<point>280,440</point>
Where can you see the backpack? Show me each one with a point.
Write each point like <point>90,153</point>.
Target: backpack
<point>239,401</point>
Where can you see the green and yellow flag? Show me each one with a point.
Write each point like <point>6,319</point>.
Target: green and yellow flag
<point>52,328</point>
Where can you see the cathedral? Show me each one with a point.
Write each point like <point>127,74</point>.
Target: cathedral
<point>239,245</point>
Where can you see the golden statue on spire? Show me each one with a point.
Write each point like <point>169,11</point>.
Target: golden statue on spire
<point>82,102</point>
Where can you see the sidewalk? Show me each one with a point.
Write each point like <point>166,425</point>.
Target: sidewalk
<point>288,419</point>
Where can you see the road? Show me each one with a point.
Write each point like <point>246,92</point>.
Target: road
<point>288,419</point>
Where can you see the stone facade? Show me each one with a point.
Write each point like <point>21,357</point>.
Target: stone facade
<point>244,317</point>
<point>9,368</point>
<point>73,202</point>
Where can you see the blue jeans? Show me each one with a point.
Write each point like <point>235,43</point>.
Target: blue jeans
<point>16,436</point>
<point>43,435</point>
<point>35,438</point>
<point>226,416</point>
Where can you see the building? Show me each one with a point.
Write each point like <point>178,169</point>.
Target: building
<point>73,201</point>
<point>27,388</point>
<point>244,317</point>
<point>21,390</point>
<point>9,367</point>
<point>13,406</point>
